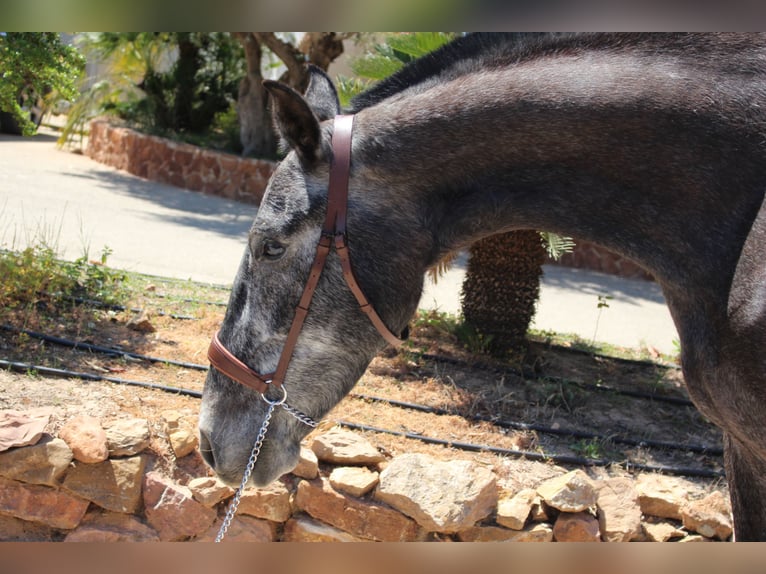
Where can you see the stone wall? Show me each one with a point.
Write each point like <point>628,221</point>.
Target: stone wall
<point>179,164</point>
<point>140,480</point>
<point>588,255</point>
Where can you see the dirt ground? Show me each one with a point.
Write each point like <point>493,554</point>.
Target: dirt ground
<point>555,386</point>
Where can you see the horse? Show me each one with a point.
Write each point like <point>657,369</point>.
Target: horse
<point>651,145</point>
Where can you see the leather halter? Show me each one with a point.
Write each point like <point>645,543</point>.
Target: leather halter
<point>333,235</point>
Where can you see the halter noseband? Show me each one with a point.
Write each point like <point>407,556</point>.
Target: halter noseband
<point>333,235</point>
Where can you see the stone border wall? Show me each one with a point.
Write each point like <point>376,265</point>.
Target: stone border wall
<point>588,255</point>
<point>179,164</point>
<point>141,480</point>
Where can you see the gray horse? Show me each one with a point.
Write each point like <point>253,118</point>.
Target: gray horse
<point>653,146</point>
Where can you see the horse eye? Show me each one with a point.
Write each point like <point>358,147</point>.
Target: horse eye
<point>272,250</point>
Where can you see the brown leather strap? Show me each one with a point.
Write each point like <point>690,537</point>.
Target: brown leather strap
<point>232,367</point>
<point>333,235</point>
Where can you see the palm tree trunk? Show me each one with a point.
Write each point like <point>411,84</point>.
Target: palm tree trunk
<point>501,288</point>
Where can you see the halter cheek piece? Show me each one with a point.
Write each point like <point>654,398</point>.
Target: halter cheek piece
<point>333,235</point>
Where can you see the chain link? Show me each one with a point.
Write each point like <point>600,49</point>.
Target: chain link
<point>232,510</point>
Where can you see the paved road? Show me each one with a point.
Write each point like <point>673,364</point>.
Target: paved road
<point>76,204</point>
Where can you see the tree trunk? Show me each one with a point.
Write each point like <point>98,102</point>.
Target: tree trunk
<point>501,288</point>
<point>255,131</point>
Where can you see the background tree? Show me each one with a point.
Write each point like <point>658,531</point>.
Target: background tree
<point>319,48</point>
<point>35,67</point>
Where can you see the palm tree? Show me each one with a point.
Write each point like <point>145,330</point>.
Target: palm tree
<point>502,282</point>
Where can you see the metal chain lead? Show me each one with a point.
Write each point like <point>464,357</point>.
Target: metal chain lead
<point>232,510</point>
<point>248,471</point>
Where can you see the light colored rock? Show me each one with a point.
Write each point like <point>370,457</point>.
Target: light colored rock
<point>127,437</point>
<point>661,496</point>
<point>86,438</point>
<point>209,490</point>
<point>303,529</point>
<point>661,531</point>
<point>354,480</point>
<point>536,533</point>
<point>172,511</point>
<point>576,527</point>
<point>114,484</point>
<point>111,527</point>
<point>269,502</point>
<point>43,504</point>
<point>441,496</point>
<point>364,519</point>
<point>141,323</point>
<point>619,513</point>
<point>44,463</point>
<point>183,441</point>
<point>242,529</point>
<point>340,446</point>
<point>23,428</point>
<point>570,492</point>
<point>308,464</point>
<point>709,516</point>
<point>513,511</point>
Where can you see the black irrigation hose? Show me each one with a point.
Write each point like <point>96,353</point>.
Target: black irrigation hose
<point>527,374</point>
<point>115,307</point>
<point>51,372</point>
<point>713,451</point>
<point>699,449</point>
<point>559,459</point>
<point>103,350</point>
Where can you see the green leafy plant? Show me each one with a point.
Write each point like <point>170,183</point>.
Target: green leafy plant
<point>35,68</point>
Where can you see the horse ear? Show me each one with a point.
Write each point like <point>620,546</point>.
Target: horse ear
<point>295,120</point>
<point>321,94</point>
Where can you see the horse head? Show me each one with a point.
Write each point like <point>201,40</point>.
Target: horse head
<point>337,341</point>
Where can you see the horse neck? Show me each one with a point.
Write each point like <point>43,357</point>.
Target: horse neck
<point>624,158</point>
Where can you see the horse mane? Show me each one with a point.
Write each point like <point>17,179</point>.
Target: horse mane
<point>467,53</point>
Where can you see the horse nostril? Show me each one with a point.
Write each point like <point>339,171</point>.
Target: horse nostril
<point>206,449</point>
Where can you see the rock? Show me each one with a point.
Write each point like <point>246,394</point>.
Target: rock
<point>356,481</point>
<point>111,527</point>
<point>14,529</point>
<point>537,533</point>
<point>662,531</point>
<point>303,529</point>
<point>183,441</point>
<point>571,492</point>
<point>181,433</point>
<point>367,520</point>
<point>661,496</point>
<point>172,511</point>
<point>23,428</point>
<point>512,512</point>
<point>710,516</point>
<point>339,446</point>
<point>43,504</point>
<point>619,512</point>
<point>86,438</point>
<point>270,502</point>
<point>209,490</point>
<point>114,484</point>
<point>441,496</point>
<point>44,463</point>
<point>308,464</point>
<point>243,529</point>
<point>127,437</point>
<point>141,323</point>
<point>577,527</point>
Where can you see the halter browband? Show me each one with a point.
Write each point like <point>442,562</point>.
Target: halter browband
<point>333,235</point>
